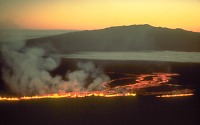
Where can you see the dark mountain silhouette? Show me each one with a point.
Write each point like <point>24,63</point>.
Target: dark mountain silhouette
<point>122,38</point>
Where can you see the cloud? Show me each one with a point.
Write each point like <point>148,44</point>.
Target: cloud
<point>9,24</point>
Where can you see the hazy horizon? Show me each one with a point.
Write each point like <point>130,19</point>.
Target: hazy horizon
<point>21,29</point>
<point>94,14</point>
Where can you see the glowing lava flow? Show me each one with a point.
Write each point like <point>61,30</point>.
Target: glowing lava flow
<point>9,98</point>
<point>66,95</point>
<point>179,93</point>
<point>145,81</point>
<point>175,95</point>
<point>129,89</point>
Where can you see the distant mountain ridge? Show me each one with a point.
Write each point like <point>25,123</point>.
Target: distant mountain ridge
<point>122,38</point>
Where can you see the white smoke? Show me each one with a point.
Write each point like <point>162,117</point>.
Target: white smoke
<point>78,80</point>
<point>26,72</point>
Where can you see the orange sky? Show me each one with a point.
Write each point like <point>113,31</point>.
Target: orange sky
<point>95,14</point>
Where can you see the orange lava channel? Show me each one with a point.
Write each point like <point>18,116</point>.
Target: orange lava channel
<point>175,95</point>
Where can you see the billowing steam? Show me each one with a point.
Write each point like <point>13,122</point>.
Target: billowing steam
<point>26,72</point>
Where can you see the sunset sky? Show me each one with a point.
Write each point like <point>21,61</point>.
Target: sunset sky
<point>97,14</point>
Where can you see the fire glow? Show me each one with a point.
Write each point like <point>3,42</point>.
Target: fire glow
<point>141,81</point>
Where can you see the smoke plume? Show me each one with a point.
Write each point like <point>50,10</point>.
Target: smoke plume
<point>26,71</point>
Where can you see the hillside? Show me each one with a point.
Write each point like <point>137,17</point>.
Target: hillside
<point>122,38</point>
